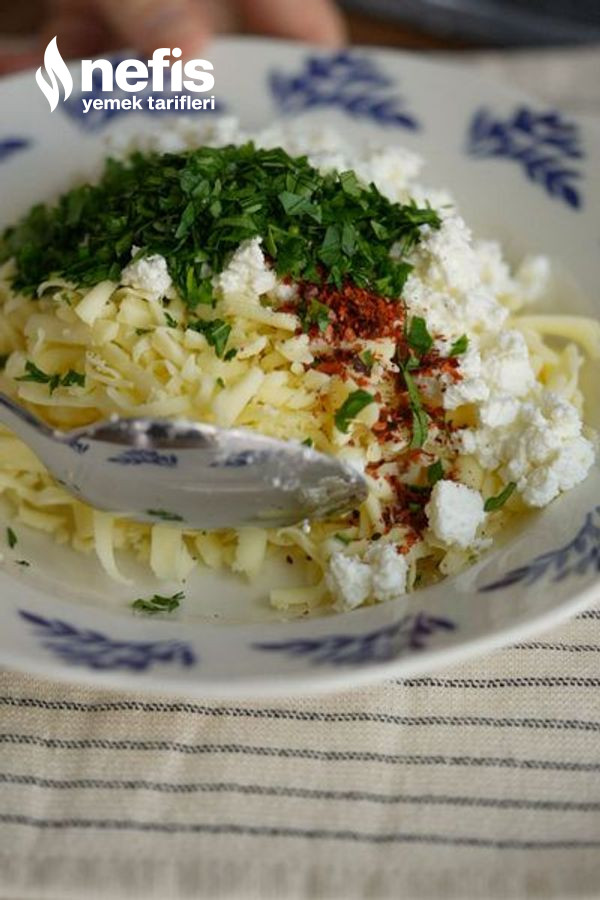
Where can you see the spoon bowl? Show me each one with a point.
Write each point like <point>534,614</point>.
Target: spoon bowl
<point>190,473</point>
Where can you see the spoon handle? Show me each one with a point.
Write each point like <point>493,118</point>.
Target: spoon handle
<point>24,423</point>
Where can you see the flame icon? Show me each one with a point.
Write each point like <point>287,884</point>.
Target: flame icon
<point>57,72</point>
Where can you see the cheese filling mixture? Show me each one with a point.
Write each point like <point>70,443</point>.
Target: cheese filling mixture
<point>317,298</point>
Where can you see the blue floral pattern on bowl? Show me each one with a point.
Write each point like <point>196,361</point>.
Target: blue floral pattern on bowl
<point>79,445</point>
<point>136,457</point>
<point>10,146</point>
<point>545,144</point>
<point>578,557</point>
<point>84,647</point>
<point>382,645</point>
<point>349,81</point>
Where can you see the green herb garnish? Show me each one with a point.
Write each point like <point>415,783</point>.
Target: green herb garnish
<point>497,502</point>
<point>367,359</point>
<point>140,331</point>
<point>11,537</point>
<point>435,472</point>
<point>420,419</point>
<point>307,442</point>
<point>71,378</point>
<point>459,346</point>
<point>418,336</point>
<point>196,207</point>
<point>171,322</point>
<point>164,515</point>
<point>231,354</point>
<point>342,538</point>
<point>216,333</point>
<point>220,382</point>
<point>315,314</point>
<point>53,381</point>
<point>22,562</point>
<point>350,408</point>
<point>158,603</point>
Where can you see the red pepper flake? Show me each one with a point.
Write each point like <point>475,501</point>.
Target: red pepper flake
<point>408,507</point>
<point>357,313</point>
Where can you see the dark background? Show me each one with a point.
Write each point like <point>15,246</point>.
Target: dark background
<point>423,23</point>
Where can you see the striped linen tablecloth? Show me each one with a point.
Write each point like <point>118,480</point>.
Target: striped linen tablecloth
<point>479,782</point>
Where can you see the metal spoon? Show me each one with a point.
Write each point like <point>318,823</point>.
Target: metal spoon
<point>198,475</point>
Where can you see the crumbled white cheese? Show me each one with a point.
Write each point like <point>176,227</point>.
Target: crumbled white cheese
<point>389,570</point>
<point>453,259</point>
<point>498,411</point>
<point>247,276</point>
<point>493,268</point>
<point>471,388</point>
<point>381,576</point>
<point>284,292</point>
<point>536,442</point>
<point>507,364</point>
<point>149,274</point>
<point>455,512</point>
<point>349,580</point>
<point>532,278</point>
<point>568,467</point>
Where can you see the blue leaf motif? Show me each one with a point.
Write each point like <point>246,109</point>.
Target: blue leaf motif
<point>83,647</point>
<point>78,445</point>
<point>12,145</point>
<point>412,632</point>
<point>136,457</point>
<point>346,80</point>
<point>544,144</point>
<point>578,557</point>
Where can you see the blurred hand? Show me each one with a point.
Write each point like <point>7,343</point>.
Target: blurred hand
<point>89,27</point>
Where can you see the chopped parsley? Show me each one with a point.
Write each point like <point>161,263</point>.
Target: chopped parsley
<point>164,515</point>
<point>11,537</point>
<point>72,378</point>
<point>435,472</point>
<point>231,354</point>
<point>367,359</point>
<point>350,408</point>
<point>307,442</point>
<point>314,313</point>
<point>33,373</point>
<point>216,333</point>
<point>418,336</point>
<point>420,419</point>
<point>196,207</point>
<point>141,331</point>
<point>497,502</point>
<point>22,562</point>
<point>171,322</point>
<point>158,603</point>
<point>459,346</point>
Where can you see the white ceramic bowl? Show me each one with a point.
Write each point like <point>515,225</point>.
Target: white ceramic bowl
<point>522,174</point>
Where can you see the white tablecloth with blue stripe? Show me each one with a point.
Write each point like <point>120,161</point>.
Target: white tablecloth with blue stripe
<point>480,782</point>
